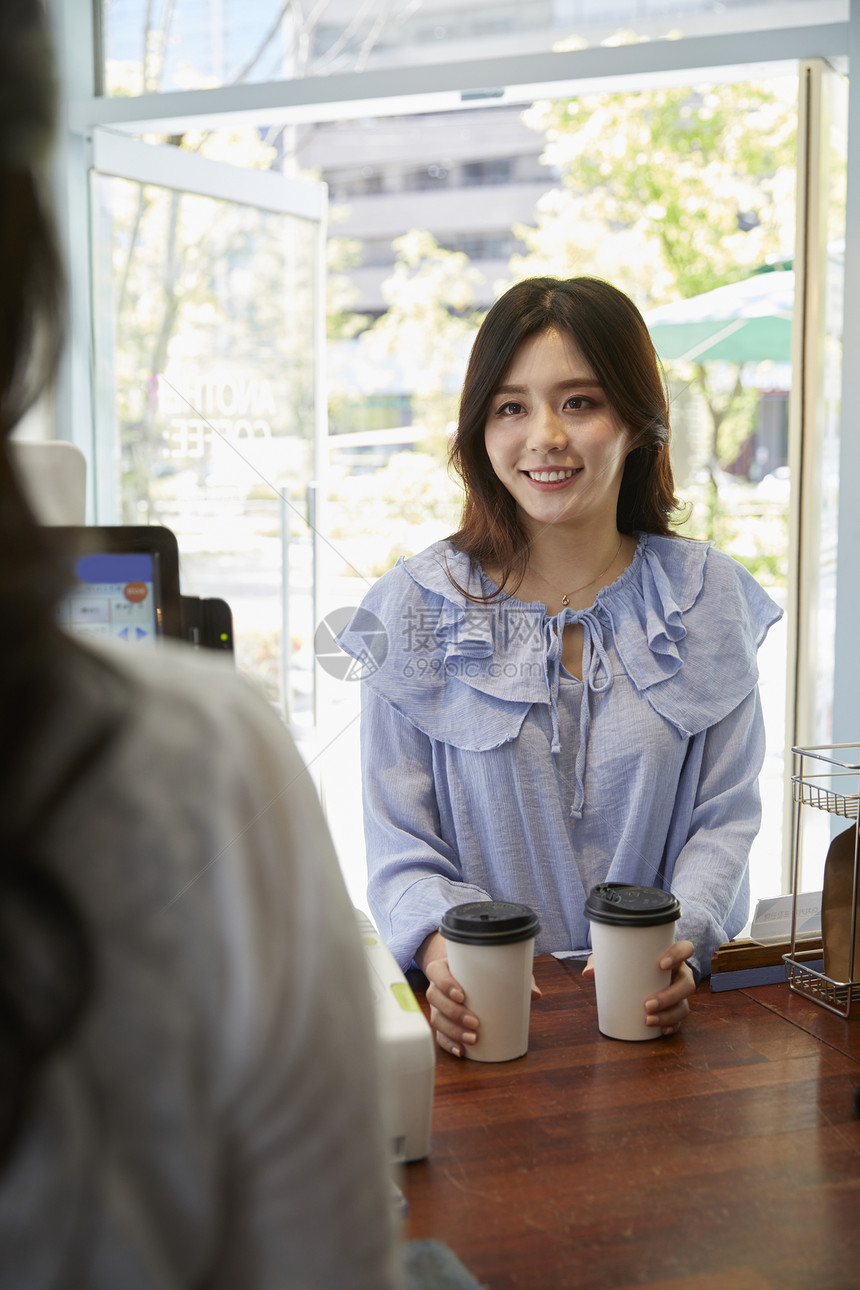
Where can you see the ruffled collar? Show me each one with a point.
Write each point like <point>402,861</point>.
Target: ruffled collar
<point>644,606</point>
<point>444,570</point>
<point>625,576</point>
<point>686,622</point>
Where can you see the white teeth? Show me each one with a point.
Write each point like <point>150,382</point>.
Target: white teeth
<point>549,476</point>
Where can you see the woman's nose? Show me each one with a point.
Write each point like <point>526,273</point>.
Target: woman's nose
<point>547,431</point>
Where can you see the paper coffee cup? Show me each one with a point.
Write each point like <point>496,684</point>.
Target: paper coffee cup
<point>631,929</point>
<point>490,953</point>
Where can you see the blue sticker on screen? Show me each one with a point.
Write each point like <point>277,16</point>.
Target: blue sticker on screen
<point>129,566</point>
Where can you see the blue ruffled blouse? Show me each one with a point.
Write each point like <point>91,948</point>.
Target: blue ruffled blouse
<point>490,772</point>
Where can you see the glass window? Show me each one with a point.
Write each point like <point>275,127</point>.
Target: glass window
<point>604,208</point>
<point>157,45</point>
<point>206,405</point>
<point>496,171</point>
<point>435,175</point>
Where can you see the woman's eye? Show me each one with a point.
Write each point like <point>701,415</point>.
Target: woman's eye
<point>578,401</point>
<point>509,409</point>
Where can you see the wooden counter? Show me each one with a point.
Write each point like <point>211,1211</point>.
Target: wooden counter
<point>723,1158</point>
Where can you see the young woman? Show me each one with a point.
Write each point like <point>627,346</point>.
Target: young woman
<point>188,1081</point>
<point>569,691</point>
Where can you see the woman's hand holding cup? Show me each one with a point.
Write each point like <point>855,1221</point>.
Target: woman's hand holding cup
<point>668,1008</point>
<point>641,973</point>
<point>451,1022</point>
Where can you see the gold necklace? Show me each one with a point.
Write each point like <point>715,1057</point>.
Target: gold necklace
<point>565,600</point>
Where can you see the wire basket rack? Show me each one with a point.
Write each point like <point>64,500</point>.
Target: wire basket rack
<point>827,779</point>
<point>822,791</point>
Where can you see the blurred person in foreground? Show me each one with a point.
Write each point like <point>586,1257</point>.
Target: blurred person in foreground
<point>188,1090</point>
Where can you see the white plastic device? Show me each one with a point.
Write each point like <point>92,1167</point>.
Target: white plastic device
<point>408,1056</point>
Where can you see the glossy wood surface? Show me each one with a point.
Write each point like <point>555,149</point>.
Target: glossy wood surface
<point>723,1158</point>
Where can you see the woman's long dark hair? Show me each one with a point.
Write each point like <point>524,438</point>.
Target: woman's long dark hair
<point>613,339</point>
<point>45,949</point>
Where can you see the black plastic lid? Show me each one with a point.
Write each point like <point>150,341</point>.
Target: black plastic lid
<point>489,922</point>
<point>626,905</point>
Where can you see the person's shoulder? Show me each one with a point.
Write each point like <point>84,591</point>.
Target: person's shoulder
<point>730,586</point>
<point>708,576</point>
<point>439,566</point>
<point>172,667</point>
<point>195,695</point>
<point>688,629</point>
<point>677,554</point>
<point>438,573</point>
<point>725,568</point>
<point>665,579</point>
<point>699,562</point>
<point>199,747</point>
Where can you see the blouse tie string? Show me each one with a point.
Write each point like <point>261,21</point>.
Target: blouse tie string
<point>594,651</point>
<point>553,667</point>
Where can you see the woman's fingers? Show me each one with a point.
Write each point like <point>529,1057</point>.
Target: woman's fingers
<point>677,954</point>
<point>668,1019</point>
<point>451,1021</point>
<point>668,1008</point>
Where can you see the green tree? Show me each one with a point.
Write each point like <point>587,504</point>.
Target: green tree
<point>673,192</point>
<point>670,193</point>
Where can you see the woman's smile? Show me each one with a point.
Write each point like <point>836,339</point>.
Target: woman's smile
<point>551,480</point>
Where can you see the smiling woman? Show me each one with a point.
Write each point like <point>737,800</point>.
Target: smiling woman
<point>569,694</point>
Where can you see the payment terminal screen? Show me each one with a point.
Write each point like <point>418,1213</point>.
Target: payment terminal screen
<point>115,595</point>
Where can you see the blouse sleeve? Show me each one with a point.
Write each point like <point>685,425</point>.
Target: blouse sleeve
<point>413,872</point>
<point>711,871</point>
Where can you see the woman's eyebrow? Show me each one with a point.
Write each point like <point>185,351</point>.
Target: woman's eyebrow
<point>574,383</point>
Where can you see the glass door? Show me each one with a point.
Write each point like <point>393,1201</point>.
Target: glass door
<point>209,412</point>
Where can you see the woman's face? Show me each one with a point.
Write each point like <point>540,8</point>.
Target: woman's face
<point>552,438</point>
